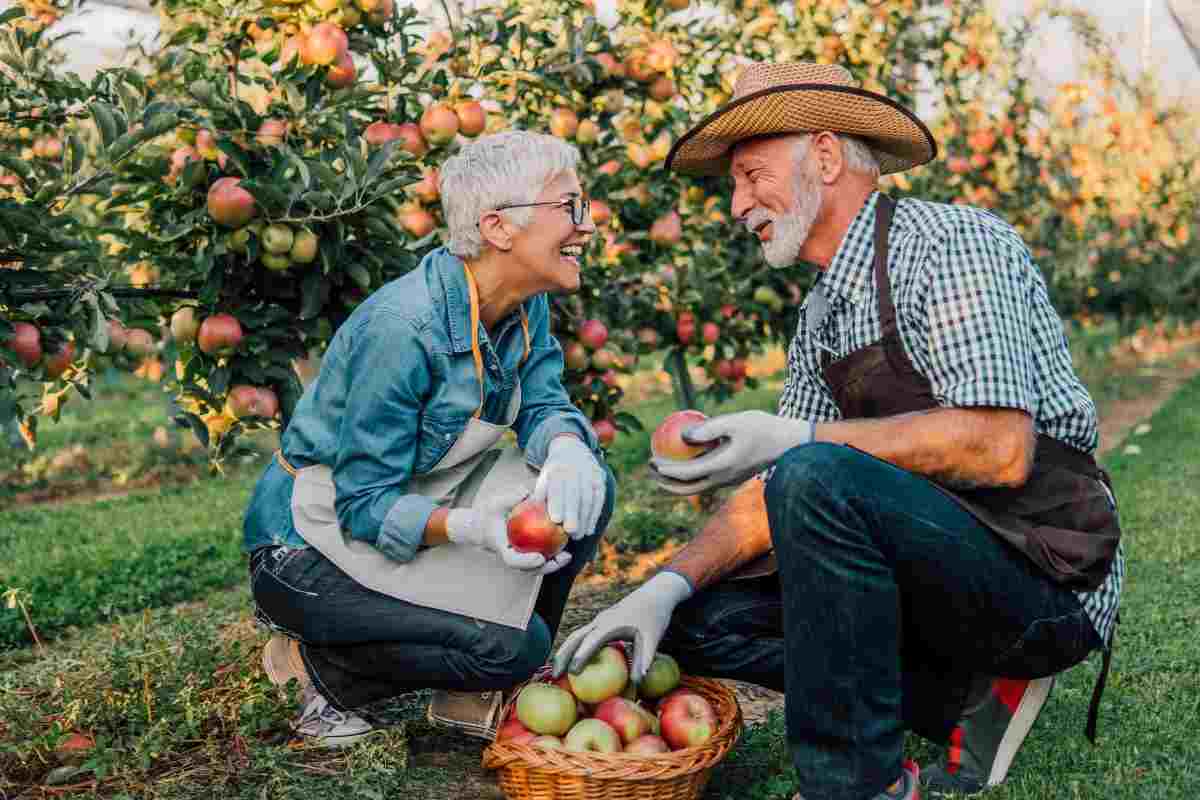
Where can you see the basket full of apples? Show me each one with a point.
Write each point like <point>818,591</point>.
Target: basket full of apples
<point>596,735</point>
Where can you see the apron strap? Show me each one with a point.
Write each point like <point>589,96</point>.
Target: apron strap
<point>283,462</point>
<point>1098,691</point>
<point>884,210</point>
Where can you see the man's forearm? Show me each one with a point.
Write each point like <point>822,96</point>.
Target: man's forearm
<point>963,448</point>
<point>735,535</point>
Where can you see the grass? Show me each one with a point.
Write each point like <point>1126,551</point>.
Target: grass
<point>171,693</point>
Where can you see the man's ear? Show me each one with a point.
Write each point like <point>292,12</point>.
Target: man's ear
<point>830,158</point>
<point>495,231</point>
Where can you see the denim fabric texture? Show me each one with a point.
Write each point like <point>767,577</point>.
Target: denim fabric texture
<point>360,646</point>
<point>397,387</point>
<point>889,597</point>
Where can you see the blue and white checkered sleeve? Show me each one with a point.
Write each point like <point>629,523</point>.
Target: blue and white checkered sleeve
<point>976,319</point>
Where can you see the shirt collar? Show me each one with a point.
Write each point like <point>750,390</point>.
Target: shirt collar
<point>457,295</point>
<point>849,272</point>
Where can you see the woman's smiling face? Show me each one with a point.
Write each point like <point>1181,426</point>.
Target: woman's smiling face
<point>549,249</point>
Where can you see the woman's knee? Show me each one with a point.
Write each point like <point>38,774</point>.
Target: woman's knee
<point>509,655</point>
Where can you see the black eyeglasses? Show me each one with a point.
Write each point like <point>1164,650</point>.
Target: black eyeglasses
<point>577,207</point>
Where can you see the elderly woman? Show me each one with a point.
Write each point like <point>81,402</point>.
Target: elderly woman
<point>378,535</point>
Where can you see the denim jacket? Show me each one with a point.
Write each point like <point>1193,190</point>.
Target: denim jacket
<point>396,388</point>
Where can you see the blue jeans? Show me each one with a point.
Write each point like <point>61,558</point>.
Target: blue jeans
<point>889,597</point>
<point>360,646</point>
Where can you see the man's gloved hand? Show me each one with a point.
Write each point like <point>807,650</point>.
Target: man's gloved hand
<point>642,615</point>
<point>571,484</point>
<point>486,526</point>
<point>752,440</point>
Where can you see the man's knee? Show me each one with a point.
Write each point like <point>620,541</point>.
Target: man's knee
<point>805,471</point>
<point>508,656</point>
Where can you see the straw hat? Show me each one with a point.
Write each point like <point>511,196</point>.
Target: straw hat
<point>798,98</point>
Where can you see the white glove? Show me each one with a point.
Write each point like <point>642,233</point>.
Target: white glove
<point>752,440</point>
<point>571,484</point>
<point>642,615</point>
<point>487,527</point>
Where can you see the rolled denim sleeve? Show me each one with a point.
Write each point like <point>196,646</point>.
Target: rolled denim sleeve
<point>546,408</point>
<point>389,369</point>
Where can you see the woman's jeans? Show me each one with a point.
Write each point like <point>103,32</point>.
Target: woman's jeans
<point>360,646</point>
<point>888,599</point>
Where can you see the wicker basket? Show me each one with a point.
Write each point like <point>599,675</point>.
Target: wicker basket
<point>537,773</point>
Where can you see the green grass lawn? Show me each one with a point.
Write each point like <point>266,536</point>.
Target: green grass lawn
<point>179,709</point>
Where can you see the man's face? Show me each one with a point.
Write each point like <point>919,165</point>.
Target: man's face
<point>550,247</point>
<point>776,194</point>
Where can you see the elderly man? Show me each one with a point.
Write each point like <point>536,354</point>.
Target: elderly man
<point>920,537</point>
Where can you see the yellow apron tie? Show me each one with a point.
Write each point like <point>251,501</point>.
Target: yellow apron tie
<point>473,291</point>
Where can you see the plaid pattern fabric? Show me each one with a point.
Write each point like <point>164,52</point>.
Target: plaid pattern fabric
<point>975,318</point>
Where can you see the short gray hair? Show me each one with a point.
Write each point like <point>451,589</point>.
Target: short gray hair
<point>859,155</point>
<point>498,170</point>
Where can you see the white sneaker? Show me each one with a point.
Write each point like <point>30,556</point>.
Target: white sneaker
<point>325,726</point>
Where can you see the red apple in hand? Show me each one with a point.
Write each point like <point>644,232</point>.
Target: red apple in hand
<point>648,745</point>
<point>545,709</point>
<point>668,441</point>
<point>592,736</point>
<point>687,719</point>
<point>625,718</point>
<point>604,676</point>
<point>530,530</point>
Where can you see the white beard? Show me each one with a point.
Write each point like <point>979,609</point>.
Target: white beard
<point>789,231</point>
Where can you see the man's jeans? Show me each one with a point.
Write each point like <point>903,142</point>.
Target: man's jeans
<point>360,646</point>
<point>889,597</point>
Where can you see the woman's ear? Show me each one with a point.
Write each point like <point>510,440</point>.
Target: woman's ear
<point>495,231</point>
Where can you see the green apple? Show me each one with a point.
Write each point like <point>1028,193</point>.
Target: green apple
<point>662,677</point>
<point>277,239</point>
<point>276,262</point>
<point>304,247</point>
<point>545,709</point>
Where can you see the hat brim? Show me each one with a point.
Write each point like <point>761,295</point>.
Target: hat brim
<point>898,138</point>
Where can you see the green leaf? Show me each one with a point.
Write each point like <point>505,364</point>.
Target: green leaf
<point>379,160</point>
<point>627,422</point>
<point>218,379</point>
<point>236,154</point>
<point>15,12</point>
<point>310,293</point>
<point>360,275</point>
<point>106,123</point>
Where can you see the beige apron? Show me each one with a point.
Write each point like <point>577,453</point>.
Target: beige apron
<point>461,579</point>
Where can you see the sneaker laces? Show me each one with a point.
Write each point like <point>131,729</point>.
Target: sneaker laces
<point>321,714</point>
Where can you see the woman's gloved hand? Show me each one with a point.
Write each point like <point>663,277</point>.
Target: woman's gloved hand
<point>486,526</point>
<point>571,484</point>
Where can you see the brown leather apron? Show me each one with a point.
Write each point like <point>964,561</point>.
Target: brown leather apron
<point>1060,518</point>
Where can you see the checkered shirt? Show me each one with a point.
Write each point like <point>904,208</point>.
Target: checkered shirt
<point>975,319</point>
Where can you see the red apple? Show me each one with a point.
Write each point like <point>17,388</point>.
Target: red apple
<point>687,719</point>
<point>140,343</point>
<point>587,132</point>
<point>592,736</point>
<point>605,430</point>
<point>418,222</point>
<point>725,369</point>
<point>304,247</point>
<point>667,230</point>
<point>604,676</point>
<point>648,744</point>
<point>26,342</point>
<point>229,204</point>
<point>220,335</point>
<point>575,356</point>
<point>544,708</point>
<point>710,332</point>
<point>380,132</point>
<point>624,717</point>
<point>662,89</point>
<point>206,144</point>
<point>252,401</point>
<point>57,362</point>
<point>563,123</point>
<point>593,334</point>
<point>426,189</point>
<point>439,123</point>
<point>184,324</point>
<point>601,212</point>
<point>667,440</point>
<point>181,156</point>
<point>325,44</point>
<point>472,119</point>
<point>685,328</point>
<point>411,139</point>
<point>661,678</point>
<point>342,73</point>
<point>118,335</point>
<point>530,530</point>
<point>514,731</point>
<point>271,132</point>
